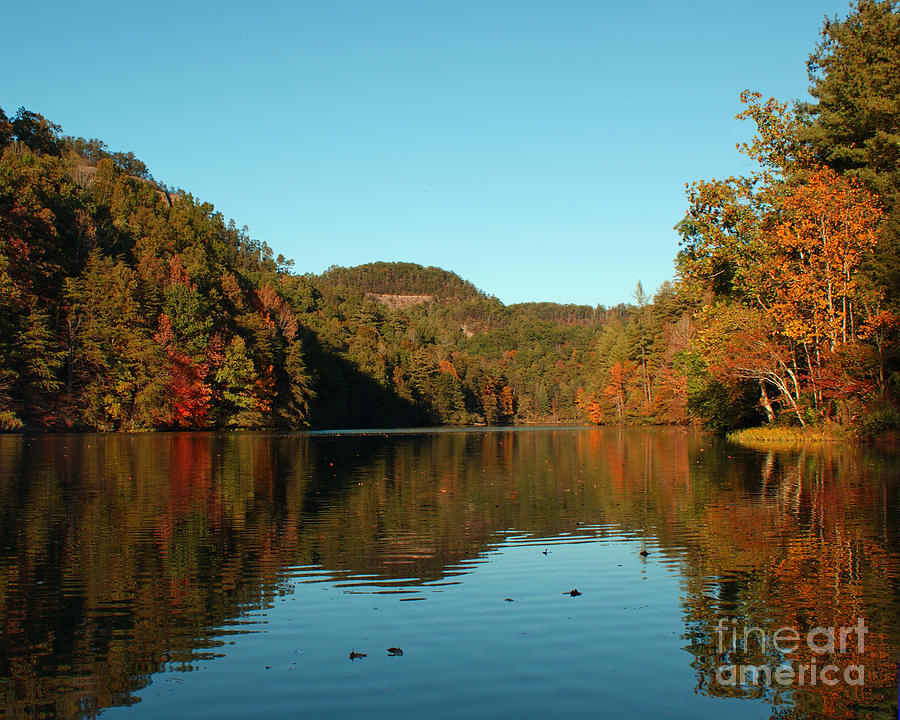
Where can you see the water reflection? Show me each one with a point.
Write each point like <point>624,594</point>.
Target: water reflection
<point>125,556</point>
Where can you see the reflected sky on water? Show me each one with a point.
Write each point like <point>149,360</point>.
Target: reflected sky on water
<point>231,575</point>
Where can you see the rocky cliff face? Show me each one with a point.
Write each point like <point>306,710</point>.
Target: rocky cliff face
<point>395,302</point>
<point>86,175</point>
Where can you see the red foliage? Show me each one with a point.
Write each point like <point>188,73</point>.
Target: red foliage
<point>190,393</point>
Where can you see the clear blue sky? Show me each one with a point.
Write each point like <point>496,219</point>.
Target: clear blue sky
<point>539,149</point>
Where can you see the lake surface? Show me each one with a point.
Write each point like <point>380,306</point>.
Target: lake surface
<point>231,575</point>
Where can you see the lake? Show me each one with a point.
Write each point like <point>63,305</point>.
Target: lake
<point>232,576</point>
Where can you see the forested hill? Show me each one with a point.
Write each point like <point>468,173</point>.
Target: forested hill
<point>125,305</point>
<point>400,278</point>
<point>381,280</point>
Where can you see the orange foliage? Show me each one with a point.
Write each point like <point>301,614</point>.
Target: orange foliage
<point>829,228</point>
<point>589,404</point>
<point>178,274</point>
<point>497,400</point>
<point>620,375</point>
<point>445,366</point>
<point>264,390</point>
<point>275,312</point>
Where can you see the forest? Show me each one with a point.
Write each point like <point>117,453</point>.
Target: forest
<point>127,305</point>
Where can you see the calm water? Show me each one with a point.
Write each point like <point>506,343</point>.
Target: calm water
<point>230,576</point>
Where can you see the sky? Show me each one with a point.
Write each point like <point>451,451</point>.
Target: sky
<point>539,149</point>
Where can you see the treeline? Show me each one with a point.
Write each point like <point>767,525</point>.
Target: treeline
<point>399,278</point>
<point>786,307</point>
<point>125,305</point>
<point>798,263</point>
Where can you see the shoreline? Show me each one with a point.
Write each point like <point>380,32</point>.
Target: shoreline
<point>788,435</point>
<point>828,435</point>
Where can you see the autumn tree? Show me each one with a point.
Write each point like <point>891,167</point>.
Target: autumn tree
<point>853,126</point>
<point>788,241</point>
<point>117,367</point>
<point>36,133</point>
<point>497,400</point>
<point>241,387</point>
<point>853,123</point>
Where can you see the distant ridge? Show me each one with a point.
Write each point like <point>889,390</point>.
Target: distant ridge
<point>400,284</point>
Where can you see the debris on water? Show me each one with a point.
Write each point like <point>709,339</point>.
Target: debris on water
<point>508,600</point>
<point>354,655</point>
<point>395,651</point>
<point>573,592</point>
<point>643,553</point>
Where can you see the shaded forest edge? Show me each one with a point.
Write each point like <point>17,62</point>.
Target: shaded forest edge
<point>128,305</point>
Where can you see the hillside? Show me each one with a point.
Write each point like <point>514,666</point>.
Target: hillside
<point>401,278</point>
<point>126,306</point>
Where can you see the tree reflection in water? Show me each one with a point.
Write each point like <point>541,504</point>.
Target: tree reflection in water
<point>122,555</point>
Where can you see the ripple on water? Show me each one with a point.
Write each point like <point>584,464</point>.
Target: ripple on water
<point>232,575</point>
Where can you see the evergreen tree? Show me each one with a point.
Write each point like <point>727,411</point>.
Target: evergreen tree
<point>854,122</point>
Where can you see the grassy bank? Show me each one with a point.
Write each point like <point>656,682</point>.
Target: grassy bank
<point>789,435</point>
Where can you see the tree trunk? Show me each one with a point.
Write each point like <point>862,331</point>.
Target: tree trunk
<point>764,400</point>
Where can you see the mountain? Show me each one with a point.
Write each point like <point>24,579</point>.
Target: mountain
<point>403,279</point>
